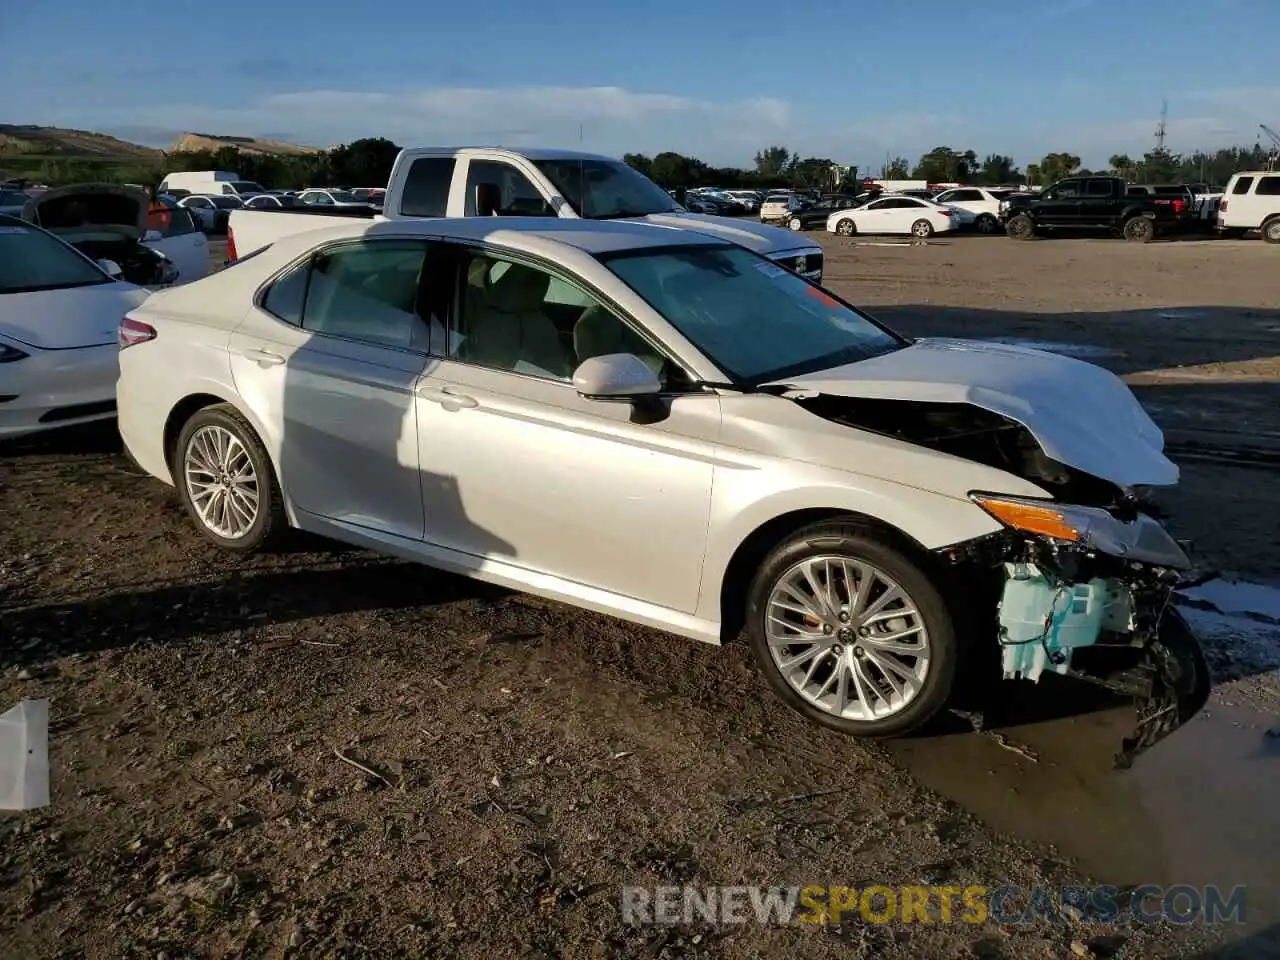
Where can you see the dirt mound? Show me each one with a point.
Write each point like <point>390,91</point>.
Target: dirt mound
<point>191,142</point>
<point>30,140</point>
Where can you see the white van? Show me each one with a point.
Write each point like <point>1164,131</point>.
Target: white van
<point>1251,202</point>
<point>210,182</point>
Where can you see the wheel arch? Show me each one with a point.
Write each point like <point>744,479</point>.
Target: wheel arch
<point>757,544</point>
<point>187,407</point>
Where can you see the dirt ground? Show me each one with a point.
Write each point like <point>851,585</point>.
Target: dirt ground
<point>522,760</point>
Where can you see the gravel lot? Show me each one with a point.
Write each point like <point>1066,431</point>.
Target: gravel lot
<point>529,759</point>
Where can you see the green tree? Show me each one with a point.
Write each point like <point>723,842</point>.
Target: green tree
<point>997,169</point>
<point>773,161</point>
<point>1159,166</point>
<point>363,163</point>
<point>944,165</point>
<point>1034,175</point>
<point>896,169</point>
<point>1055,166</point>
<point>1121,164</point>
<point>676,170</point>
<point>638,161</point>
<point>814,173</point>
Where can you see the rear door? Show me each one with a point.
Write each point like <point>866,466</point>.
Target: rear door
<point>1098,203</point>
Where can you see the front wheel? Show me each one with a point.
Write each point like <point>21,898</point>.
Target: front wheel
<point>1140,230</point>
<point>226,481</point>
<point>1020,227</point>
<point>846,228</point>
<point>850,632</point>
<point>1271,230</point>
<point>922,229</point>
<point>795,223</point>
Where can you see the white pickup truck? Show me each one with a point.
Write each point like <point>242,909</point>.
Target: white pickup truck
<point>487,181</point>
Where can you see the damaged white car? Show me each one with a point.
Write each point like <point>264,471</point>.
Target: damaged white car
<point>662,426</point>
<point>153,245</point>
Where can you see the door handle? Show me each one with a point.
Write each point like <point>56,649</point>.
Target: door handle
<point>264,358</point>
<point>448,397</point>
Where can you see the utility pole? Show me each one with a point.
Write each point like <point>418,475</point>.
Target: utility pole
<point>1162,126</point>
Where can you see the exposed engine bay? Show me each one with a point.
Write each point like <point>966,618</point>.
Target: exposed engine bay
<point>1080,585</point>
<point>139,264</point>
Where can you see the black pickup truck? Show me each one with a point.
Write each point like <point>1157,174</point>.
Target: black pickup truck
<point>1087,203</point>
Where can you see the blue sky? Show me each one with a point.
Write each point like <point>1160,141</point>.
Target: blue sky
<point>714,79</point>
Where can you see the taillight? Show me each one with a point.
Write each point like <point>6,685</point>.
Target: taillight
<point>133,332</point>
<point>231,243</point>
<point>1178,205</point>
<point>1222,204</point>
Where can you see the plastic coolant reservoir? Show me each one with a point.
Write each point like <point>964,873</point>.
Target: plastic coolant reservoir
<point>1041,623</point>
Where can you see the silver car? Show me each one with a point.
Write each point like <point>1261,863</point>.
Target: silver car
<point>656,424</point>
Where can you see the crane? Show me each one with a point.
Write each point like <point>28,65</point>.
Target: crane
<point>1275,151</point>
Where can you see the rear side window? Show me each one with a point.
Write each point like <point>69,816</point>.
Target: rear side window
<point>1097,188</point>
<point>1268,187</point>
<point>1242,185</point>
<point>368,291</point>
<point>426,188</point>
<point>287,295</point>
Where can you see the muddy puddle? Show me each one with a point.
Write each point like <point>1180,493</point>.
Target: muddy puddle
<point>1202,807</point>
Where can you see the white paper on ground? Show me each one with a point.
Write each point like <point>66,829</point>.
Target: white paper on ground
<point>24,756</point>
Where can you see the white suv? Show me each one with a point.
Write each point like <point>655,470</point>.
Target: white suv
<point>1251,202</point>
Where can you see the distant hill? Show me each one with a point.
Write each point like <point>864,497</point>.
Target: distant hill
<point>30,142</point>
<point>251,145</point>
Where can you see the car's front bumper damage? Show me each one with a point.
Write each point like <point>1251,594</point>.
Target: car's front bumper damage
<point>1087,593</point>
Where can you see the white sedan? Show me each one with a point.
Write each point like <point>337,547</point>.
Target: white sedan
<point>338,199</point>
<point>669,428</point>
<point>59,314</point>
<point>895,215</point>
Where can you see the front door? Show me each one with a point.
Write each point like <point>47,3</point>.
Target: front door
<point>329,363</point>
<point>1059,206</point>
<point>518,467</point>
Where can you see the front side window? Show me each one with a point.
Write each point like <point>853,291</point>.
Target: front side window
<point>368,291</point>
<point>317,199</point>
<point>520,318</point>
<point>518,197</point>
<point>755,320</point>
<point>1068,189</point>
<point>32,260</point>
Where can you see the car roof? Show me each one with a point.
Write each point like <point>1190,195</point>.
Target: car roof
<point>532,153</point>
<point>537,235</point>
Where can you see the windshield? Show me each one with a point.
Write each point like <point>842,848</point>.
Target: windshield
<point>248,186</point>
<point>604,189</point>
<point>755,320</point>
<point>33,260</point>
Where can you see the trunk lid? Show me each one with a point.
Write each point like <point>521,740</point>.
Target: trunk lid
<point>90,211</point>
<point>1081,414</point>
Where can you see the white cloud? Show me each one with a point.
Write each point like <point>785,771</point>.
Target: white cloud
<point>614,120</point>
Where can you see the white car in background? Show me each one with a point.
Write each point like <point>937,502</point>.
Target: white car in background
<point>338,199</point>
<point>59,316</point>
<point>895,214</point>
<point>1251,202</point>
<point>667,427</point>
<point>212,212</point>
<point>978,207</point>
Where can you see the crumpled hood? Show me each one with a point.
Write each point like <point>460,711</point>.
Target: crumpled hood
<point>1081,414</point>
<point>760,237</point>
<point>90,208</point>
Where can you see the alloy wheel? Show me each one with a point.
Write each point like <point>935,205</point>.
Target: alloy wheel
<point>221,481</point>
<point>847,637</point>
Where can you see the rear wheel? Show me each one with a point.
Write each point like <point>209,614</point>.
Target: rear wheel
<point>795,223</point>
<point>1140,230</point>
<point>846,227</point>
<point>922,229</point>
<point>225,479</point>
<point>850,632</point>
<point>1271,230</point>
<point>1020,227</point>
<point>986,223</point>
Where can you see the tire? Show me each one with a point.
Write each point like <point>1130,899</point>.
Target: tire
<point>846,227</point>
<point>199,453</point>
<point>1139,230</point>
<point>824,675</point>
<point>986,224</point>
<point>922,229</point>
<point>1271,230</point>
<point>1020,227</point>
<point>795,223</point>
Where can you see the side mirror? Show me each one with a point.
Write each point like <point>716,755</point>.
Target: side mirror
<point>111,269</point>
<point>488,199</point>
<point>615,376</point>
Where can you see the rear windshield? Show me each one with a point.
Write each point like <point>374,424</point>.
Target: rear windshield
<point>32,260</point>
